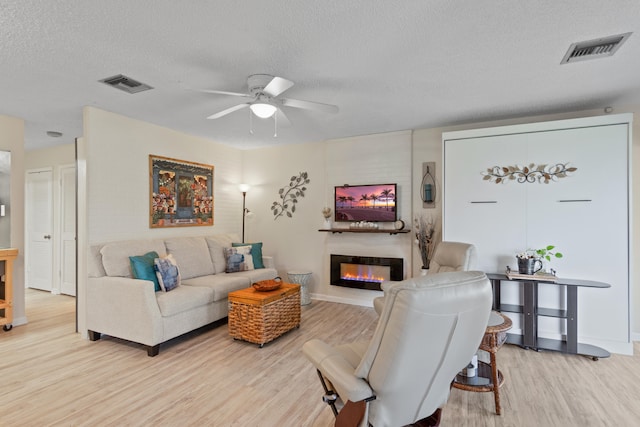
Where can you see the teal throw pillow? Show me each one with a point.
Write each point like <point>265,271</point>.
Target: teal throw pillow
<point>142,267</point>
<point>256,253</point>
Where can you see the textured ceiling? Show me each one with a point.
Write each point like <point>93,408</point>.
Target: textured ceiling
<point>389,64</point>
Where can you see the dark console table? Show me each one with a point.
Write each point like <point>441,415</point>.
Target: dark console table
<point>531,311</point>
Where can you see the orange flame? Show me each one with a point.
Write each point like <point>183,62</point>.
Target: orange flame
<point>361,278</point>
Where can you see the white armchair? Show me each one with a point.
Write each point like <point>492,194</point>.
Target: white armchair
<point>429,329</point>
<point>448,256</point>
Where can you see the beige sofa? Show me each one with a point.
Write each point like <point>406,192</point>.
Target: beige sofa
<point>121,306</point>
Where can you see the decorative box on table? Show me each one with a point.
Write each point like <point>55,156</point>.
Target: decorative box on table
<point>261,317</point>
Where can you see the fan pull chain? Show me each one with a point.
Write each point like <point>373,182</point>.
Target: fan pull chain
<point>275,125</point>
<point>250,122</point>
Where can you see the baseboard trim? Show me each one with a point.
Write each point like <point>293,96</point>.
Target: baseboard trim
<point>17,321</point>
<point>342,300</point>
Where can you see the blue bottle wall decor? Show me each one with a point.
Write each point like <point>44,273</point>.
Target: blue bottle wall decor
<point>428,185</point>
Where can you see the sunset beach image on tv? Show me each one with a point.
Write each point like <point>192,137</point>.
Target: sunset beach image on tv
<point>375,203</point>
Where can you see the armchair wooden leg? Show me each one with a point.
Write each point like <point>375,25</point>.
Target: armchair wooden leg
<point>496,382</point>
<point>351,414</point>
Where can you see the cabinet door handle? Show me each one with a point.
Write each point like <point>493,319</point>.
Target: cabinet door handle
<point>48,236</point>
<point>485,201</point>
<point>574,200</point>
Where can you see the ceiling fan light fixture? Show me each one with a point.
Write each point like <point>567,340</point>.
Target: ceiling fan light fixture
<point>262,110</point>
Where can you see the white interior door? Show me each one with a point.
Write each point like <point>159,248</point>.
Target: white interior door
<point>39,210</point>
<point>68,230</point>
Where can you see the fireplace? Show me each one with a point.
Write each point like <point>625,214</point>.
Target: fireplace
<point>364,272</point>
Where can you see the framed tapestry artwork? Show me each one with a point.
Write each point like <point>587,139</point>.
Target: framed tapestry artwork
<point>180,193</point>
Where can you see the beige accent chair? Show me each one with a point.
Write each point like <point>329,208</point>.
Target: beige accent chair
<point>448,256</point>
<point>429,329</point>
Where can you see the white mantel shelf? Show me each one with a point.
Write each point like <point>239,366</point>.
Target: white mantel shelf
<point>363,230</point>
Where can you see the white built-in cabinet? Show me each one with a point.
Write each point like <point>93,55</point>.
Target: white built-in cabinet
<point>585,215</point>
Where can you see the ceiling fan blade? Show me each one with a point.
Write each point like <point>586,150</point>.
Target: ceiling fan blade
<point>308,105</point>
<point>276,86</point>
<point>222,92</point>
<point>282,118</point>
<point>227,111</point>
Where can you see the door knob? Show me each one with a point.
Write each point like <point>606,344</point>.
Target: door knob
<point>48,236</point>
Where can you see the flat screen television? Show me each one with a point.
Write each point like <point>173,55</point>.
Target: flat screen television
<point>371,202</point>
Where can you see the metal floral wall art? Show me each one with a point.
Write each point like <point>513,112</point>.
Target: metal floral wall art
<point>532,173</point>
<point>289,196</point>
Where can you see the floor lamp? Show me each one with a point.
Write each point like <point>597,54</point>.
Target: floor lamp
<point>244,188</point>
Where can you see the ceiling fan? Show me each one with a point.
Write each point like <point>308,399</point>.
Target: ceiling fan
<point>264,101</point>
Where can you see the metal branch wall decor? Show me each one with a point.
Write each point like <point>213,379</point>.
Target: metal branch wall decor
<point>289,196</point>
<point>532,173</point>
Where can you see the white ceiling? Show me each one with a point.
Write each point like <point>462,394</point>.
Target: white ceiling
<point>388,64</point>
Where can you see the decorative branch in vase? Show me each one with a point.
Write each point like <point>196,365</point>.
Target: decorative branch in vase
<point>425,229</point>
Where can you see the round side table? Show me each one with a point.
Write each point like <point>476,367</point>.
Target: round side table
<point>488,378</point>
<point>301,278</point>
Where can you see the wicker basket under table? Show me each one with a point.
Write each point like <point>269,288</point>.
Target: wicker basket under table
<point>261,317</point>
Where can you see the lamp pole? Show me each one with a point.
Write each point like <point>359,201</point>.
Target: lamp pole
<point>244,212</point>
<point>243,188</point>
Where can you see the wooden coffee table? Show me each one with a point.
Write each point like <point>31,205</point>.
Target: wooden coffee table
<point>488,377</point>
<point>261,317</point>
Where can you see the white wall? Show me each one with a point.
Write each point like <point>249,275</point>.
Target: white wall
<point>296,242</point>
<point>12,139</point>
<point>115,150</point>
<point>59,155</point>
<point>118,149</point>
<point>117,160</point>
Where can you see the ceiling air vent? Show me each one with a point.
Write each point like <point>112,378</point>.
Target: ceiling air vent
<point>126,84</point>
<point>592,49</point>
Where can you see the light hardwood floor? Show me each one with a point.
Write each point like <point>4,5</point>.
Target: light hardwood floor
<point>50,376</point>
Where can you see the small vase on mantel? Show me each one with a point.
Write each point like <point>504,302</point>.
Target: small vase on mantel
<point>326,213</point>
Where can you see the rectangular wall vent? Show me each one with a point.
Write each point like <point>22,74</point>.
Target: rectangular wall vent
<point>592,49</point>
<point>125,83</point>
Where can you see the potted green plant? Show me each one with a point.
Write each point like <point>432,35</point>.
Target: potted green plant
<point>205,217</point>
<point>532,258</point>
<point>547,253</point>
<point>157,217</point>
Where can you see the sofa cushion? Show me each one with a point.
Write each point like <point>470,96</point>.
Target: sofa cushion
<point>223,283</point>
<point>183,298</point>
<point>238,259</point>
<point>220,284</point>
<point>142,268</point>
<point>94,262</point>
<point>259,274</point>
<point>167,273</point>
<point>115,256</point>
<point>256,253</point>
<point>191,255</point>
<point>216,245</point>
